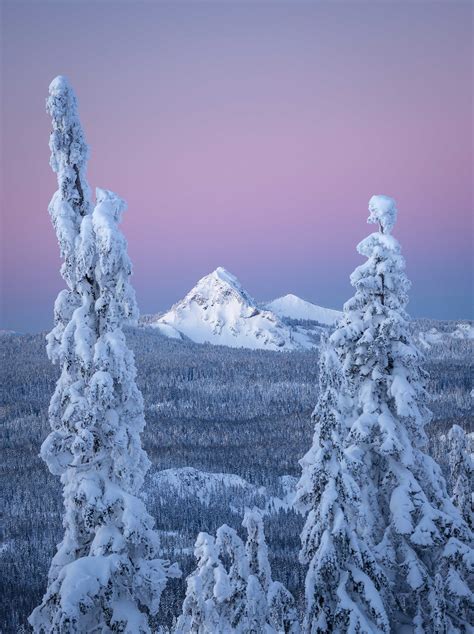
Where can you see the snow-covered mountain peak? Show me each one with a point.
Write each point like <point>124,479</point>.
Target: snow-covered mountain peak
<point>219,310</point>
<point>293,307</point>
<point>224,276</point>
<point>219,285</point>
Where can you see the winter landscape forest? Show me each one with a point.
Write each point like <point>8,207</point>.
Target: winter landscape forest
<point>225,513</point>
<point>188,444</point>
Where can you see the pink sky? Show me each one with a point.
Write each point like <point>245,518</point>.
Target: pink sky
<point>246,135</point>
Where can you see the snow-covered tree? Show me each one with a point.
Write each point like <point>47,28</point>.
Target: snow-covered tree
<point>231,590</point>
<point>233,599</point>
<point>255,619</point>
<point>419,536</point>
<point>216,589</point>
<point>282,614</point>
<point>461,468</point>
<point>345,588</point>
<point>270,606</point>
<point>106,575</point>
<point>256,547</point>
<point>200,613</point>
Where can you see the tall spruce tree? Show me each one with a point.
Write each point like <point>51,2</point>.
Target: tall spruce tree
<point>106,575</point>
<point>259,574</point>
<point>345,588</point>
<point>419,537</point>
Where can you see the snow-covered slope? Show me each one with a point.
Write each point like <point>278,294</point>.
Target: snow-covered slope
<point>167,330</point>
<point>219,311</point>
<point>432,337</point>
<point>189,484</point>
<point>293,307</point>
<point>463,331</point>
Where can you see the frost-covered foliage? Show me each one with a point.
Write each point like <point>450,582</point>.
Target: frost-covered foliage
<point>107,574</point>
<point>410,524</point>
<point>231,590</point>
<point>461,471</point>
<point>346,590</point>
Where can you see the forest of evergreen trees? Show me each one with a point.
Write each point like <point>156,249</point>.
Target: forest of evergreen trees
<point>209,426</point>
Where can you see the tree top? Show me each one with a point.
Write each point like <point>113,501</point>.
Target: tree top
<point>59,84</point>
<point>383,210</point>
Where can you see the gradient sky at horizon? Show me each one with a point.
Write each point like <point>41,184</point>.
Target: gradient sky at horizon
<point>245,135</point>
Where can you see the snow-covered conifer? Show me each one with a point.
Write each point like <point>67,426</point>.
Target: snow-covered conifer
<point>345,587</point>
<point>270,606</point>
<point>200,613</point>
<point>461,472</point>
<point>256,547</point>
<point>259,576</point>
<point>419,536</point>
<point>256,609</point>
<point>232,551</point>
<point>106,575</point>
<point>69,155</point>
<point>216,590</point>
<point>231,590</point>
<point>282,614</point>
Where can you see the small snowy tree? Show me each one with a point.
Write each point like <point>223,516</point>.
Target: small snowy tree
<point>256,547</point>
<point>345,588</point>
<point>216,589</point>
<point>255,619</point>
<point>282,614</point>
<point>200,613</point>
<point>107,574</point>
<point>232,552</point>
<point>231,589</point>
<point>419,535</point>
<point>270,606</point>
<point>259,577</point>
<point>461,473</point>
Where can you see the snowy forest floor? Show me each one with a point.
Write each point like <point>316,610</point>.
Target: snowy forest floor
<point>216,409</point>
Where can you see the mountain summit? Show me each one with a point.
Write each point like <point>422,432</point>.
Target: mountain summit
<point>293,307</point>
<point>219,310</point>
